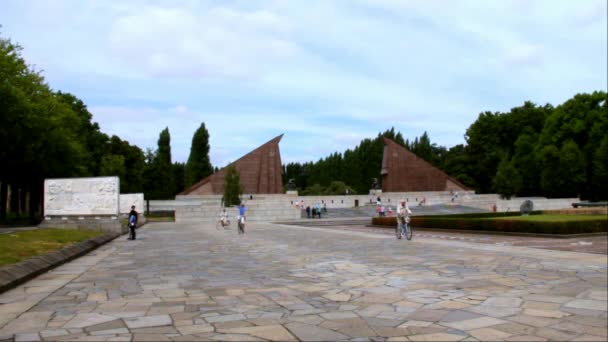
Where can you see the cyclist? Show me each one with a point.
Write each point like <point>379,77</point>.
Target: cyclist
<point>241,224</point>
<point>224,218</point>
<point>403,212</point>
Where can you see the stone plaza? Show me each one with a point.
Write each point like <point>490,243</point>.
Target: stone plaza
<point>188,281</point>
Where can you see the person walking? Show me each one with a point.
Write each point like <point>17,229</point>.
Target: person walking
<point>132,222</point>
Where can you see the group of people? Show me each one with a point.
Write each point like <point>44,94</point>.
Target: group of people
<point>382,211</point>
<point>315,210</point>
<point>241,218</point>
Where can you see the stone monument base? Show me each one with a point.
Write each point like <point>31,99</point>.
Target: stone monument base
<point>375,192</point>
<point>107,224</point>
<point>292,192</point>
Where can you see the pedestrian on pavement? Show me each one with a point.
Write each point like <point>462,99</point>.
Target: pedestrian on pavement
<point>132,222</point>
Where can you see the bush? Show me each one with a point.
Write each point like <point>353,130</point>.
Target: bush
<point>485,222</point>
<point>384,221</point>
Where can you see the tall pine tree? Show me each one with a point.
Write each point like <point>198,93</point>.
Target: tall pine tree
<point>198,165</point>
<point>163,168</point>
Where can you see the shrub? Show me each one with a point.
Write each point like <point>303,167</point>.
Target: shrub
<point>384,221</point>
<point>485,222</point>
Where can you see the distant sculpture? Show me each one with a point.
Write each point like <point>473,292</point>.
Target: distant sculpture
<point>291,184</point>
<point>526,207</point>
<point>375,185</point>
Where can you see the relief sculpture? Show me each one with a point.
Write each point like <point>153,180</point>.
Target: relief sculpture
<point>81,196</point>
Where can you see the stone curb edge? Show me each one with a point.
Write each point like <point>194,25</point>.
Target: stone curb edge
<point>492,232</point>
<point>16,274</point>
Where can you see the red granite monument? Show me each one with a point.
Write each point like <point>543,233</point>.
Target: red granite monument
<point>403,171</point>
<point>260,173</point>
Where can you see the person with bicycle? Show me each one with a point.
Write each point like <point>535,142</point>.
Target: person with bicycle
<point>224,218</point>
<point>403,218</point>
<point>241,221</point>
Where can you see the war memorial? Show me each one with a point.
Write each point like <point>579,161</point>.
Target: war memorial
<point>328,281</point>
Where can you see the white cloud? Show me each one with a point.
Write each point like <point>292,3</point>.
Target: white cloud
<point>216,42</point>
<point>324,73</point>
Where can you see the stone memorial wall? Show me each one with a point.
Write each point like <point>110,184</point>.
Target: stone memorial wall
<point>81,196</point>
<point>128,200</point>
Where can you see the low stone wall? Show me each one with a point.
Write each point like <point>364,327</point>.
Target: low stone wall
<point>107,224</point>
<point>189,214</point>
<point>13,275</point>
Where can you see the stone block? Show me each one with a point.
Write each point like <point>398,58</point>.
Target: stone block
<point>81,196</point>
<point>128,200</point>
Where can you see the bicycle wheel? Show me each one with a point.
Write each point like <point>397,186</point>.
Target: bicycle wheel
<point>408,231</point>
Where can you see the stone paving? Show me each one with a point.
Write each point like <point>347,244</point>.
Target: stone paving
<point>193,282</point>
<point>587,244</point>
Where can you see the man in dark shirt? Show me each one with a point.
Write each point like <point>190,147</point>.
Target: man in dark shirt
<point>132,223</point>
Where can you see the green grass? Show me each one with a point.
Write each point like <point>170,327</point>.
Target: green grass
<point>18,246</point>
<point>160,219</point>
<point>550,218</point>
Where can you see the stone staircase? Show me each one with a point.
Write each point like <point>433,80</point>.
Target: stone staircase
<point>208,209</point>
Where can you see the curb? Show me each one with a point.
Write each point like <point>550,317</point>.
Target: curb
<point>16,274</point>
<point>491,232</point>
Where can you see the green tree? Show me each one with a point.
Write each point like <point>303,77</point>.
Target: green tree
<point>583,119</point>
<point>338,188</point>
<point>600,171</point>
<point>232,186</point>
<point>526,163</point>
<point>572,169</point>
<point>550,178</point>
<point>507,181</point>
<point>198,165</point>
<point>160,183</point>
<point>179,172</point>
<point>313,190</point>
<point>113,165</point>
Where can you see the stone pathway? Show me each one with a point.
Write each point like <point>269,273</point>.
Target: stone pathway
<point>597,244</point>
<point>189,282</point>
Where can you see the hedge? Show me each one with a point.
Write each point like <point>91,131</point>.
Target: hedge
<point>484,222</point>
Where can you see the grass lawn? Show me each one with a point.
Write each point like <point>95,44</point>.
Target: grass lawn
<point>549,218</point>
<point>18,246</point>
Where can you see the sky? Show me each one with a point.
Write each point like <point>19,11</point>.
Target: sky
<point>325,73</point>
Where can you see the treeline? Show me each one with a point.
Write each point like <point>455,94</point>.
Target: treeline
<point>542,150</point>
<point>50,134</point>
<point>353,171</point>
<point>529,151</point>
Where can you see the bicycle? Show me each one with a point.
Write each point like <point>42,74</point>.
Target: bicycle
<point>223,223</point>
<point>404,229</point>
<point>241,224</point>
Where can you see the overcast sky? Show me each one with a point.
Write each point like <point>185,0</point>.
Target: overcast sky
<point>325,73</point>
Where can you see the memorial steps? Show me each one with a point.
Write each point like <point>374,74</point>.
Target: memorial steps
<point>281,207</point>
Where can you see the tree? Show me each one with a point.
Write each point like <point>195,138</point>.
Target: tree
<point>159,174</point>
<point>507,181</point>
<point>338,188</point>
<point>198,165</point>
<point>113,165</point>
<point>572,169</point>
<point>550,181</point>
<point>600,171</point>
<point>526,163</point>
<point>232,186</point>
<point>179,171</point>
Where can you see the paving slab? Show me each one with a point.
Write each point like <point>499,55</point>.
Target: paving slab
<point>193,282</point>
